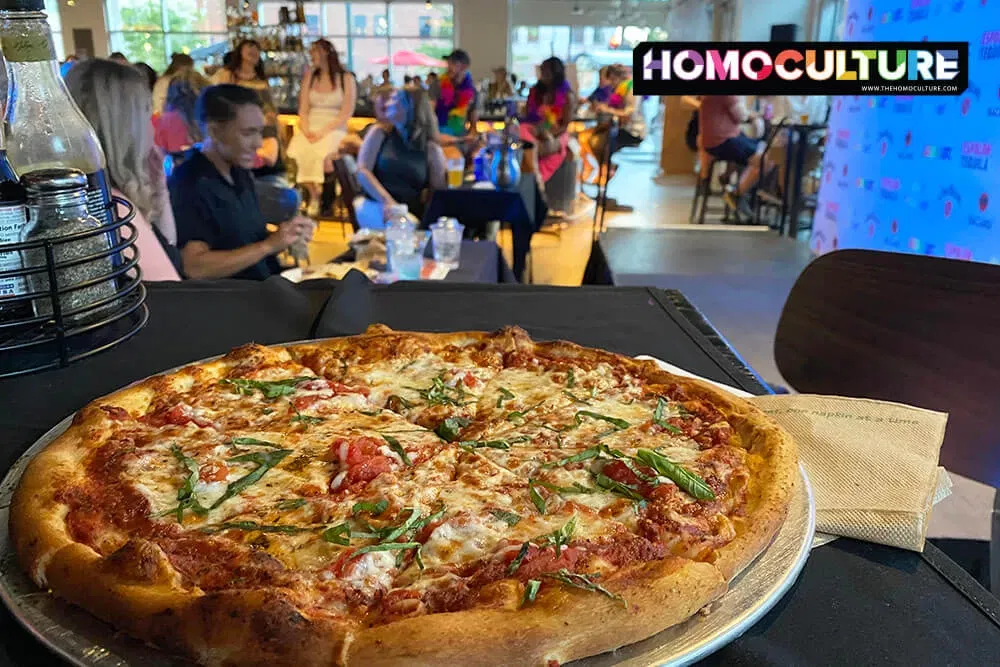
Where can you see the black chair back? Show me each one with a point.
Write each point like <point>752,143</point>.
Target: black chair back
<point>908,328</point>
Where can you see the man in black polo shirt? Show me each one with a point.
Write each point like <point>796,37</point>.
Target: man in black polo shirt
<point>220,228</point>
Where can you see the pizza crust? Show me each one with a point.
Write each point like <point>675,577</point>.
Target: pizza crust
<point>137,589</point>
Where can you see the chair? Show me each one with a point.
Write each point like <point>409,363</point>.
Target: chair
<point>346,170</point>
<point>703,190</point>
<point>908,328</point>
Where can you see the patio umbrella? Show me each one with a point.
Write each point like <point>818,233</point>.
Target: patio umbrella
<point>404,58</point>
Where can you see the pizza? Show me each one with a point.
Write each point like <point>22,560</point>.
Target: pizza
<point>403,498</point>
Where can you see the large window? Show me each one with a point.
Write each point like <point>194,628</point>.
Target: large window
<point>367,31</point>
<point>150,30</point>
<point>587,47</point>
<point>55,23</point>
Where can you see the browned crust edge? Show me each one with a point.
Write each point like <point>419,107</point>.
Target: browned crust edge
<point>264,627</point>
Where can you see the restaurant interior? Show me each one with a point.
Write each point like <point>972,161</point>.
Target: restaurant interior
<point>473,164</point>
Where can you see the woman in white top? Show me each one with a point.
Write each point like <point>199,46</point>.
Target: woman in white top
<point>326,103</point>
<point>116,100</point>
<point>179,63</point>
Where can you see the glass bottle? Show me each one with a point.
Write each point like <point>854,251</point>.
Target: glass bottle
<point>57,206</point>
<point>46,129</point>
<point>11,225</point>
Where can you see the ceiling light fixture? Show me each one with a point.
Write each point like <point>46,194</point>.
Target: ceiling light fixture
<point>427,5</point>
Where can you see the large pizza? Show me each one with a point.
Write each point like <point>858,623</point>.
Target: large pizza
<point>403,499</point>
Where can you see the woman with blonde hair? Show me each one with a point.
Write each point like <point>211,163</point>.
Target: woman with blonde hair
<point>117,101</point>
<point>401,158</point>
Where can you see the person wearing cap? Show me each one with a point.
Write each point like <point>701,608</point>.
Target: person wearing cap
<point>456,102</point>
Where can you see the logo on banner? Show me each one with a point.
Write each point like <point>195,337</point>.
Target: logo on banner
<point>854,104</point>
<point>843,139</point>
<point>889,188</point>
<point>952,251</point>
<point>852,21</point>
<point>976,155</point>
<point>919,10</point>
<point>994,112</point>
<point>871,222</point>
<point>810,68</point>
<point>866,184</point>
<point>831,211</point>
<point>982,221</point>
<point>950,199</point>
<point>828,172</point>
<point>906,152</point>
<point>884,143</point>
<point>989,45</point>
<point>843,182</point>
<point>932,152</point>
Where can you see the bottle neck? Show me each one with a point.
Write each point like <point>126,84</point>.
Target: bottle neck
<point>26,38</point>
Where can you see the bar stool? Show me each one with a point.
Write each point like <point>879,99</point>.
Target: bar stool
<point>703,191</point>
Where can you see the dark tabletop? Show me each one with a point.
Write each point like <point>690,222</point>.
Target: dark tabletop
<point>480,262</point>
<point>854,603</point>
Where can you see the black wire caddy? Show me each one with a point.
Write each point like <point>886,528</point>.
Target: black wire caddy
<point>54,336</point>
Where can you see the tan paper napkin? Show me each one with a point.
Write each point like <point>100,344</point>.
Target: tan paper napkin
<point>873,465</point>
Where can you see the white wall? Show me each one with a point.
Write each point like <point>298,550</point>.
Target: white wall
<point>756,17</point>
<point>690,21</point>
<point>483,29</point>
<point>84,14</point>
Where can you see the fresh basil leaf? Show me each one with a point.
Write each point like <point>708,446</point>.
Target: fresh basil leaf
<point>292,504</point>
<point>584,582</point>
<point>660,421</point>
<point>576,488</point>
<point>470,445</point>
<point>270,389</point>
<point>685,479</point>
<point>505,395</point>
<point>398,448</point>
<point>253,442</point>
<point>530,591</point>
<point>308,419</point>
<point>516,563</point>
<point>404,527</point>
<point>570,379</point>
<point>620,424</point>
<point>558,538</point>
<point>389,546</point>
<point>536,497</point>
<point>591,453</point>
<point>427,520</point>
<point>518,417</point>
<point>509,518</point>
<point>372,508</point>
<point>339,534</point>
<point>264,460</point>
<point>440,393</point>
<point>576,399</point>
<point>631,465</point>
<point>185,494</point>
<point>253,526</point>
<point>395,402</point>
<point>617,487</point>
<point>449,429</point>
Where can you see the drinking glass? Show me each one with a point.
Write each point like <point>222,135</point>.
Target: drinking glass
<point>406,255</point>
<point>447,235</point>
<point>456,172</point>
<point>397,228</point>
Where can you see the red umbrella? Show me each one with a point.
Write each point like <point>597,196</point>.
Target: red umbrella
<point>404,58</point>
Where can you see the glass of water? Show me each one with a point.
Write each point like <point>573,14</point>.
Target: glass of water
<point>447,234</point>
<point>406,255</point>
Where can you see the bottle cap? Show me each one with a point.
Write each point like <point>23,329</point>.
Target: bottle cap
<point>22,5</point>
<point>53,181</point>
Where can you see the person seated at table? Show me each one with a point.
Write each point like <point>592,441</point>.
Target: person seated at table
<point>600,95</point>
<point>400,160</point>
<point>456,102</point>
<point>500,88</point>
<point>433,87</point>
<point>612,100</point>
<point>175,129</point>
<point>220,228</point>
<point>550,109</point>
<point>117,101</point>
<point>720,119</point>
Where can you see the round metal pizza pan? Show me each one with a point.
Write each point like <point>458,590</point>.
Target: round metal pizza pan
<point>81,639</point>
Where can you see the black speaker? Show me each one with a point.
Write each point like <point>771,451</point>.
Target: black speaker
<point>784,32</point>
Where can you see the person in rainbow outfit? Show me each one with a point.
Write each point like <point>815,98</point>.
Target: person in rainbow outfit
<point>456,103</point>
<point>550,109</point>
